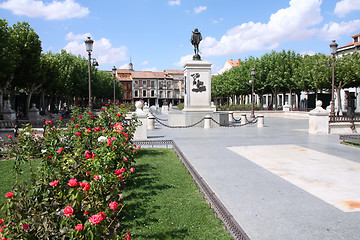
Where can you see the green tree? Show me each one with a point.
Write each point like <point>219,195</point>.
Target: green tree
<point>7,58</point>
<point>27,68</point>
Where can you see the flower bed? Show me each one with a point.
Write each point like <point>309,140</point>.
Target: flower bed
<point>76,193</point>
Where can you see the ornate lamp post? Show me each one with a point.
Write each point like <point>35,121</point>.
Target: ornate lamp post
<point>333,50</point>
<point>89,47</point>
<point>252,115</point>
<point>114,73</point>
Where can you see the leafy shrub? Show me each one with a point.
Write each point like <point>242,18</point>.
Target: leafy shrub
<point>76,193</point>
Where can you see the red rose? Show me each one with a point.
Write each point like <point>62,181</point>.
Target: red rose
<point>109,143</point>
<point>60,118</point>
<point>73,183</point>
<point>132,169</point>
<point>113,205</point>
<point>97,218</point>
<point>78,134</point>
<point>9,195</point>
<point>80,116</point>
<point>60,150</point>
<point>10,137</point>
<point>85,186</point>
<point>25,227</point>
<point>76,125</point>
<point>125,159</point>
<point>96,177</point>
<point>79,227</point>
<point>86,212</point>
<point>2,228</point>
<point>73,119</point>
<point>1,221</point>
<point>54,183</point>
<point>118,114</point>
<point>68,211</point>
<point>89,113</point>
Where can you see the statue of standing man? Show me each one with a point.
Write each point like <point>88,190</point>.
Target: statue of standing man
<point>195,40</point>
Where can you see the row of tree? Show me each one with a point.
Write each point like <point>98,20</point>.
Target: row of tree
<point>288,72</point>
<point>54,76</point>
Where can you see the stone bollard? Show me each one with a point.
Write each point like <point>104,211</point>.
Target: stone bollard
<point>243,118</point>
<point>260,121</point>
<point>141,131</point>
<point>207,121</point>
<point>231,115</point>
<point>34,113</point>
<point>151,122</point>
<point>286,107</point>
<point>319,119</point>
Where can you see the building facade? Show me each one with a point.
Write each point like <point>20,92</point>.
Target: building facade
<point>154,88</point>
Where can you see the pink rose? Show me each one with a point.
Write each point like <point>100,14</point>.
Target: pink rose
<point>79,227</point>
<point>96,177</point>
<point>125,159</point>
<point>78,134</point>
<point>9,195</point>
<point>113,138</point>
<point>73,183</point>
<point>54,183</point>
<point>113,205</point>
<point>132,169</point>
<point>120,176</point>
<point>68,211</point>
<point>97,218</point>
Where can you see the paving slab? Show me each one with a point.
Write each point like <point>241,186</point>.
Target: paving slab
<point>264,200</point>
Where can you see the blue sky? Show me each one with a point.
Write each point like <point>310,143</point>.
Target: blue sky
<point>155,34</point>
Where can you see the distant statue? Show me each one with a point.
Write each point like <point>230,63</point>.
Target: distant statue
<point>195,41</point>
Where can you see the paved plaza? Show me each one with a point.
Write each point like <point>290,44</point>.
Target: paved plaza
<point>279,182</point>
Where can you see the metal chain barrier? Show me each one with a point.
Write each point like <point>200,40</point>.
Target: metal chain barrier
<point>192,125</point>
<point>253,121</point>
<point>159,119</point>
<point>236,120</point>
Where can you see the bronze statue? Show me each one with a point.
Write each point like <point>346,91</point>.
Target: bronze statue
<point>195,40</point>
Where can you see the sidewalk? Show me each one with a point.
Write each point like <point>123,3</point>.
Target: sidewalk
<point>278,182</point>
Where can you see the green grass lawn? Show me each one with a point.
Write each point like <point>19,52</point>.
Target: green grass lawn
<point>163,202</point>
<point>8,176</point>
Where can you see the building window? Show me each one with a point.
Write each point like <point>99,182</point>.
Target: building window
<point>169,84</point>
<point>169,95</point>
<point>128,86</point>
<point>152,84</point>
<point>136,93</point>
<point>152,93</point>
<point>161,93</point>
<point>144,84</point>
<point>136,84</point>
<point>144,93</point>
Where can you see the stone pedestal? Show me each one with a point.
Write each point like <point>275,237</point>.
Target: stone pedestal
<point>319,119</point>
<point>7,112</point>
<point>146,108</point>
<point>141,131</point>
<point>151,122</point>
<point>286,107</point>
<point>197,86</point>
<point>243,118</point>
<point>207,121</point>
<point>231,115</point>
<point>34,113</point>
<point>260,121</point>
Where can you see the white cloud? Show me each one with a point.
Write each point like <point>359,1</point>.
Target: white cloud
<point>199,9</point>
<point>174,2</point>
<point>310,53</point>
<point>217,20</point>
<point>145,62</point>
<point>124,66</point>
<point>345,6</point>
<point>334,30</point>
<point>153,69</point>
<point>183,60</point>
<point>292,23</point>
<point>56,10</point>
<point>103,50</point>
<point>76,37</point>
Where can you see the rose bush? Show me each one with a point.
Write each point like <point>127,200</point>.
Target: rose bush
<point>76,192</point>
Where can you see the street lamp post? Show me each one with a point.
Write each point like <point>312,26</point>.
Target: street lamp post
<point>89,47</point>
<point>333,50</point>
<point>252,115</point>
<point>114,73</point>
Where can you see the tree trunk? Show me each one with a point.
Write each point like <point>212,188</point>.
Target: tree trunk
<point>27,106</point>
<point>339,101</point>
